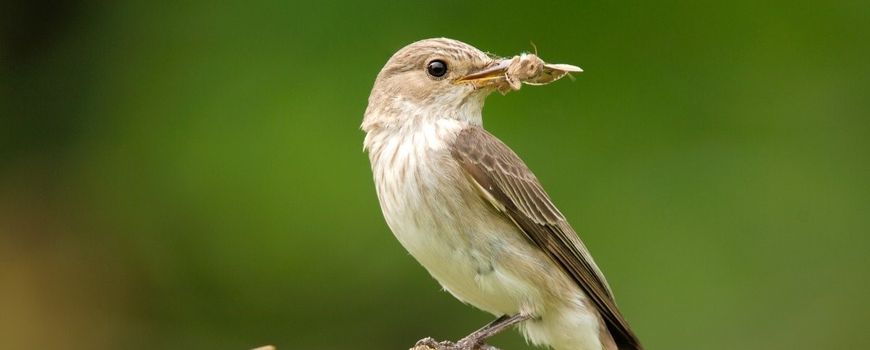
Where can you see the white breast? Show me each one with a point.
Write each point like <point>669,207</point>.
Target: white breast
<point>415,182</point>
<point>435,213</point>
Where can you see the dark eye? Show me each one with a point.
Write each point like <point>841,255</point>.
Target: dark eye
<point>437,68</point>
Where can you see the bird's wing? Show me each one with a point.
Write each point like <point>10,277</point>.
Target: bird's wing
<point>512,188</point>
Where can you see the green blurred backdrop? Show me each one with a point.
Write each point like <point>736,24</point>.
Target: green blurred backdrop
<point>190,175</point>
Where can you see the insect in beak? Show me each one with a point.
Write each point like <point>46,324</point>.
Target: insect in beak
<point>510,74</point>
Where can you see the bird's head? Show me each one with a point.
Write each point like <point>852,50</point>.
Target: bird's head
<point>445,78</point>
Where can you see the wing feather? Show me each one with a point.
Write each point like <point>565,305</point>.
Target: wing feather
<point>518,195</point>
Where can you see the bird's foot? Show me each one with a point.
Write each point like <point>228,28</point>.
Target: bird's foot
<point>476,340</point>
<point>467,343</point>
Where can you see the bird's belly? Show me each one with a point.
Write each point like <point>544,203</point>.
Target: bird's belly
<point>474,253</point>
<point>471,273</point>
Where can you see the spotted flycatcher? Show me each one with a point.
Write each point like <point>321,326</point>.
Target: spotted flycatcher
<point>470,211</point>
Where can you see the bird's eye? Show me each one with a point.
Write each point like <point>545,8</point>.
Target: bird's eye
<point>437,68</point>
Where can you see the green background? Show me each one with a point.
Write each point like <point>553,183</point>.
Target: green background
<point>190,175</point>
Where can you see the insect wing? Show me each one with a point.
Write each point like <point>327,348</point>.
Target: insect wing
<point>551,73</point>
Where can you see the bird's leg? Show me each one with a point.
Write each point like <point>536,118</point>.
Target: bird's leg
<point>476,339</point>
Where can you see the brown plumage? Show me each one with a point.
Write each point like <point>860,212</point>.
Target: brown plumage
<point>469,210</point>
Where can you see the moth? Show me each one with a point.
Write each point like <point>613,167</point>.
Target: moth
<point>530,69</point>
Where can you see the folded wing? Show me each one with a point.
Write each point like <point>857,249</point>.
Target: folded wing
<point>512,189</point>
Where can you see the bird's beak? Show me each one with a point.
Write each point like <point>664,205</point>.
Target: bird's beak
<point>492,75</point>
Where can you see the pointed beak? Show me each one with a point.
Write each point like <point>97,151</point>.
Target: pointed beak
<point>490,76</point>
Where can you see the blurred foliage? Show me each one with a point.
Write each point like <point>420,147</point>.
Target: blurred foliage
<point>190,175</point>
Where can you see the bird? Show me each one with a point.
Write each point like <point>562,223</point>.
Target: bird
<point>470,211</point>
